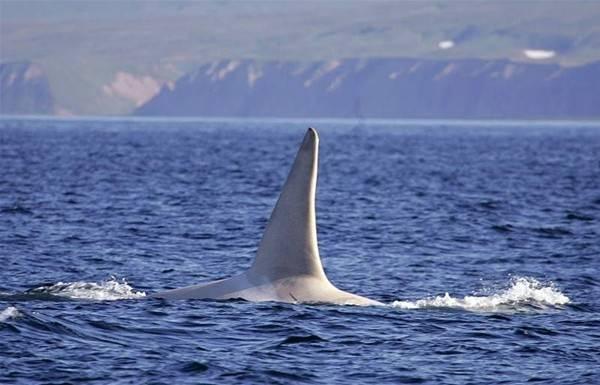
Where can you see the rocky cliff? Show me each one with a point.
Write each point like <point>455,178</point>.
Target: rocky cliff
<point>383,88</point>
<point>24,89</point>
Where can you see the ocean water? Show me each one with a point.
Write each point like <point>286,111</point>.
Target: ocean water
<point>481,238</point>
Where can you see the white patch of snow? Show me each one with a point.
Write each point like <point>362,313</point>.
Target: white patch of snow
<point>211,69</point>
<point>322,71</point>
<point>539,54</point>
<point>336,82</point>
<point>445,44</point>
<point>230,67</point>
<point>33,71</point>
<point>253,75</point>
<point>448,69</point>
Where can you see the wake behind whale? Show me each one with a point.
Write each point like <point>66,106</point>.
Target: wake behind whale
<point>520,294</point>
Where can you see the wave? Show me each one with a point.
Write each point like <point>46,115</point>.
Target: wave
<point>9,313</point>
<point>523,293</point>
<point>109,290</point>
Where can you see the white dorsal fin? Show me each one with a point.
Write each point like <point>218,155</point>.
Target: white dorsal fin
<point>287,267</point>
<point>289,244</point>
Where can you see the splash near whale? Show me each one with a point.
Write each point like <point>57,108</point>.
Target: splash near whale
<point>287,266</point>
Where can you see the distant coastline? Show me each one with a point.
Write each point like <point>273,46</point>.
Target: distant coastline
<point>384,88</point>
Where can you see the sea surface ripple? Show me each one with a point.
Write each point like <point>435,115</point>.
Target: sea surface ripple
<point>481,238</point>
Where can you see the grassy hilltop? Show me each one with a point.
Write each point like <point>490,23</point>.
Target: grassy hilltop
<point>111,57</point>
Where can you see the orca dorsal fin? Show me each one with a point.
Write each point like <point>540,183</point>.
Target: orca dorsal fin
<point>288,247</point>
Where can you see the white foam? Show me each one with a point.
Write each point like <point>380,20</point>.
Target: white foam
<point>523,291</point>
<point>8,313</point>
<point>109,290</point>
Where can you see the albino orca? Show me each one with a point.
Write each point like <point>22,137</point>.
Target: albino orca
<point>287,267</point>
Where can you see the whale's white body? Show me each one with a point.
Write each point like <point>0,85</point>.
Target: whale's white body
<point>287,267</point>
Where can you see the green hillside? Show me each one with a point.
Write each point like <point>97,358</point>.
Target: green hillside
<point>108,57</point>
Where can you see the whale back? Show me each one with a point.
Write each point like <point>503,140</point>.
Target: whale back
<point>287,266</point>
<point>288,247</point>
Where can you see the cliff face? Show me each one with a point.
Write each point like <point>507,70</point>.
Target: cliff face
<point>349,88</point>
<point>383,88</point>
<point>24,89</point>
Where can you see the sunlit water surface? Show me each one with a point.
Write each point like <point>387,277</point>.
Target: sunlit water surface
<point>482,239</point>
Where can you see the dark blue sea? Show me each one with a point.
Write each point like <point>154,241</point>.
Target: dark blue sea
<point>481,238</point>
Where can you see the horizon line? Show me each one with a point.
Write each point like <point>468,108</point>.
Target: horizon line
<point>298,120</point>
